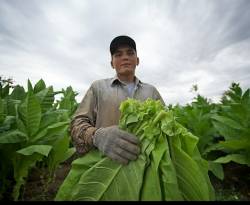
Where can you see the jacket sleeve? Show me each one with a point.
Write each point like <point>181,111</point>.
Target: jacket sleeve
<point>83,123</point>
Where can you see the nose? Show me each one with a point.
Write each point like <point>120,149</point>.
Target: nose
<point>125,56</point>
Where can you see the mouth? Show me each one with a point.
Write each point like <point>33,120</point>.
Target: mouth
<point>126,64</point>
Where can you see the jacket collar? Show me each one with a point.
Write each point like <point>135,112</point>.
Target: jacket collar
<point>115,80</point>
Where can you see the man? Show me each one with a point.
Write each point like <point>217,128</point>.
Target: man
<point>95,123</point>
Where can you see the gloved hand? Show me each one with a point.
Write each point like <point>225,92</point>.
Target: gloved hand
<point>117,144</point>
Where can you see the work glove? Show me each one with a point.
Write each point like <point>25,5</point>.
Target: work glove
<point>117,144</point>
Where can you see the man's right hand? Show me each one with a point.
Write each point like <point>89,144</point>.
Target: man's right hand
<point>117,144</point>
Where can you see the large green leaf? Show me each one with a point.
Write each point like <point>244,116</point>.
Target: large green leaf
<point>60,152</point>
<point>30,87</point>
<point>187,174</point>
<point>79,166</point>
<point>106,186</point>
<point>227,132</point>
<point>12,136</point>
<point>40,85</point>
<point>8,124</point>
<point>2,115</point>
<point>40,149</point>
<point>46,98</point>
<point>227,121</point>
<point>216,169</point>
<point>18,93</point>
<point>51,133</point>
<point>5,91</point>
<point>66,155</point>
<point>246,97</point>
<point>236,145</point>
<point>51,117</point>
<point>30,112</point>
<point>21,126</point>
<point>169,182</point>
<point>152,187</point>
<point>238,158</point>
<point>12,106</point>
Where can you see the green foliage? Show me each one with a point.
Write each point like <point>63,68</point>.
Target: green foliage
<point>168,168</point>
<point>5,86</point>
<point>68,101</point>
<point>197,118</point>
<point>223,129</point>
<point>34,132</point>
<point>233,123</point>
<point>32,129</point>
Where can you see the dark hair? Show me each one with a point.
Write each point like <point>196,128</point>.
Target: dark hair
<point>121,41</point>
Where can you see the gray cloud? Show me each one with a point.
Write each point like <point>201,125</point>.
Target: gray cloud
<point>180,42</point>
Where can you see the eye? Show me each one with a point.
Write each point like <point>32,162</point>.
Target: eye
<point>130,52</point>
<point>117,54</point>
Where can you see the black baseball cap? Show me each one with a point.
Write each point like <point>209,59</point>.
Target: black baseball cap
<point>121,41</point>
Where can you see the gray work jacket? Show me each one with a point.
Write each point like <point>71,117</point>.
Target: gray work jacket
<point>100,108</point>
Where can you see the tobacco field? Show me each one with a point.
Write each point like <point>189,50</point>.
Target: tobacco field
<point>37,154</point>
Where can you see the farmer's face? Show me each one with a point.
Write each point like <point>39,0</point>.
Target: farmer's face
<point>125,60</point>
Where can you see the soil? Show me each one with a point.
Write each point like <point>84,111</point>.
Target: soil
<point>41,187</point>
<point>38,189</point>
<point>234,187</point>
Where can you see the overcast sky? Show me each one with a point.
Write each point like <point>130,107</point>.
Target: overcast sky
<point>179,42</point>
